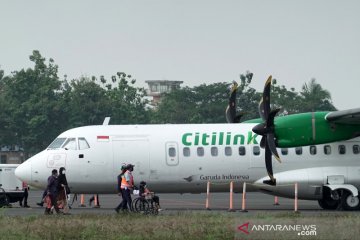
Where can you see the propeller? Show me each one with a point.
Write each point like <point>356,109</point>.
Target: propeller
<point>230,111</point>
<point>267,131</point>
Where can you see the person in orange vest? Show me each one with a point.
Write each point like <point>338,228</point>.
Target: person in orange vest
<point>127,184</point>
<point>119,179</point>
<point>25,187</point>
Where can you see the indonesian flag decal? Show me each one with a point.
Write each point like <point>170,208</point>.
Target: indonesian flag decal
<point>103,138</point>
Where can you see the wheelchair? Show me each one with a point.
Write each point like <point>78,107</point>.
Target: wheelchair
<point>145,205</point>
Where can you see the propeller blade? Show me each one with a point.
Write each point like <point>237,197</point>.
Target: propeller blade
<point>231,108</point>
<point>263,142</point>
<point>271,117</point>
<point>260,129</point>
<point>268,164</point>
<point>261,109</point>
<point>238,118</point>
<point>266,98</point>
<point>270,139</point>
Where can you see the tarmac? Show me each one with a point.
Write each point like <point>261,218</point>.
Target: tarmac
<point>255,203</point>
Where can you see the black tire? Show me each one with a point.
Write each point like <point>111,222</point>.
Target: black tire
<point>328,203</point>
<point>4,200</point>
<point>141,205</point>
<point>133,204</point>
<point>348,202</point>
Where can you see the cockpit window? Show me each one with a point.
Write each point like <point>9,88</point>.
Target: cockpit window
<point>56,143</point>
<point>70,144</point>
<point>83,144</point>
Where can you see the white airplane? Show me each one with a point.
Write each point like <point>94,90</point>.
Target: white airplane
<point>318,151</point>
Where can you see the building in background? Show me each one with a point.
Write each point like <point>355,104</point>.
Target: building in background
<point>158,87</point>
<point>11,155</point>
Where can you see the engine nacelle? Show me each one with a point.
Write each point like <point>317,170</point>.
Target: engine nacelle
<point>309,129</point>
<point>310,182</point>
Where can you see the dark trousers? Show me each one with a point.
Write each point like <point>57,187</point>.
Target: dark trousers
<point>120,206</point>
<point>53,197</point>
<point>126,199</point>
<point>44,195</point>
<point>25,198</point>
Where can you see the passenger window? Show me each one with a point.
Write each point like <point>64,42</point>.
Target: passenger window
<point>172,152</point>
<point>284,151</point>
<point>228,151</point>
<point>70,144</point>
<point>256,150</point>
<point>242,151</point>
<point>356,149</point>
<point>186,152</point>
<point>312,150</point>
<point>298,150</point>
<point>342,149</point>
<point>214,151</point>
<point>327,149</point>
<point>200,151</point>
<point>83,144</point>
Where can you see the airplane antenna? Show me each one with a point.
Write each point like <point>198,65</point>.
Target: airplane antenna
<point>106,121</point>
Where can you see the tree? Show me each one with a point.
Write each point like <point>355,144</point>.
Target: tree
<point>127,102</point>
<point>207,103</point>
<point>178,106</point>
<point>84,103</point>
<point>31,104</point>
<point>315,98</point>
<point>247,98</point>
<point>287,101</point>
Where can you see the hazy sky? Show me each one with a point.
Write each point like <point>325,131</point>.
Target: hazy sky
<point>195,41</point>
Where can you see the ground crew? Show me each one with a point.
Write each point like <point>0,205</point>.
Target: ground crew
<point>120,193</point>
<point>127,184</point>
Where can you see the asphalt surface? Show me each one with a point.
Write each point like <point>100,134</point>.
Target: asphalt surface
<point>255,202</point>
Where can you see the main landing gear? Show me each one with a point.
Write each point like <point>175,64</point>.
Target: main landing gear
<point>340,199</point>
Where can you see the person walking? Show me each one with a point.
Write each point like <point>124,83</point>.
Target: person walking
<point>25,188</point>
<point>41,203</point>
<point>127,183</point>
<point>52,191</point>
<point>63,190</point>
<point>120,193</point>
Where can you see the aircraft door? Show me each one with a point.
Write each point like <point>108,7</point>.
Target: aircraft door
<point>172,154</point>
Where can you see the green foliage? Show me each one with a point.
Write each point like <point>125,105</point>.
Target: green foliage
<point>201,104</point>
<point>312,98</point>
<point>31,104</point>
<point>37,105</point>
<point>315,98</point>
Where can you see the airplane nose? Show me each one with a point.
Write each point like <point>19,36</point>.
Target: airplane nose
<point>23,172</point>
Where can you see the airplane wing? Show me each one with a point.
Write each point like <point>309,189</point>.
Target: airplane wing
<point>350,116</point>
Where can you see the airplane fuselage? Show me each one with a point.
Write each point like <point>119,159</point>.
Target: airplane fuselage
<point>183,158</point>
